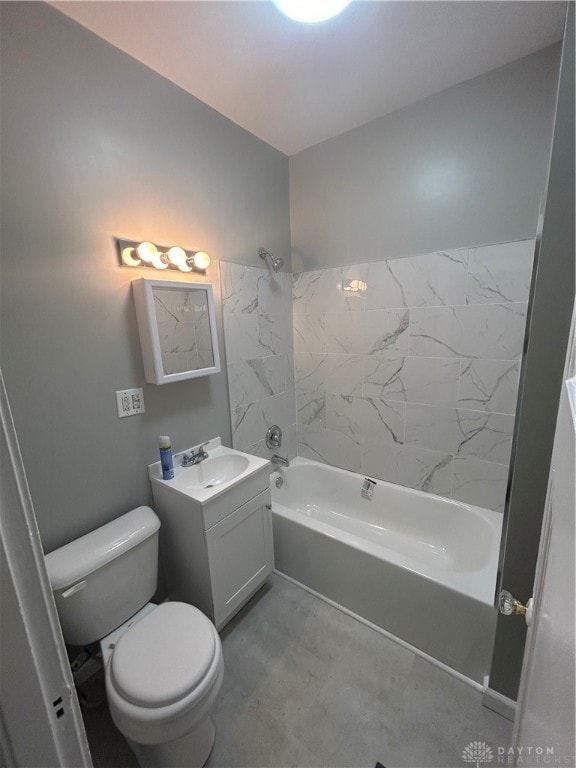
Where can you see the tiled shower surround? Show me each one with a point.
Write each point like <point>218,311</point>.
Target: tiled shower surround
<point>257,310</point>
<point>405,369</point>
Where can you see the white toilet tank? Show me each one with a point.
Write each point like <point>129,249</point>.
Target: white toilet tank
<point>106,576</point>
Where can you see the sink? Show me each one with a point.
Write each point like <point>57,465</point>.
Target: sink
<point>214,471</point>
<point>217,543</point>
<point>222,472</point>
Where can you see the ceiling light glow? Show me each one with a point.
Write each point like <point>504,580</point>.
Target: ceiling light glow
<point>311,11</point>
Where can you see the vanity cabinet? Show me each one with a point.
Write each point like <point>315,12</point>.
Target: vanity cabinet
<point>216,555</point>
<point>240,555</point>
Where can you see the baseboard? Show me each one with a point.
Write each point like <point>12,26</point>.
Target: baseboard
<point>498,703</point>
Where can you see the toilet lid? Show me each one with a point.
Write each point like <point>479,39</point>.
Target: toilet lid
<point>164,656</point>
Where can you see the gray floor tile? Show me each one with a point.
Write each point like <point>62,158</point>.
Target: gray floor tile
<point>307,686</point>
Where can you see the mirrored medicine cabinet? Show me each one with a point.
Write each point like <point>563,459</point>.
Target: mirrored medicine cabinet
<point>177,326</point>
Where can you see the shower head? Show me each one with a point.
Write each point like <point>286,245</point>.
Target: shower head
<point>276,262</point>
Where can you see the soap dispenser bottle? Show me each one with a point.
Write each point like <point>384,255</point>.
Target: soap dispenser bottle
<point>166,457</point>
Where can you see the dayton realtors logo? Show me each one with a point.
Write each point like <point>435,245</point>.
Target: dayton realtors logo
<point>478,752</point>
<point>526,755</point>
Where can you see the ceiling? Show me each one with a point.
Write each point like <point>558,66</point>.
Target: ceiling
<point>294,85</point>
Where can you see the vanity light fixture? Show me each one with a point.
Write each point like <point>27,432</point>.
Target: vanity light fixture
<point>146,254</point>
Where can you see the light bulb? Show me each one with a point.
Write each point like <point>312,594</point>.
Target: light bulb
<point>177,256</point>
<point>311,11</point>
<point>160,261</point>
<point>128,257</point>
<point>201,260</point>
<point>147,251</point>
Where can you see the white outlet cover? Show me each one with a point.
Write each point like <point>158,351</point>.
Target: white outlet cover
<point>130,402</point>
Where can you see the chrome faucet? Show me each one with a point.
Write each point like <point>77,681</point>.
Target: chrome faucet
<point>194,457</point>
<point>280,460</point>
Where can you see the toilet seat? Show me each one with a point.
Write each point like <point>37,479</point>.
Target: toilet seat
<point>153,723</point>
<point>163,657</point>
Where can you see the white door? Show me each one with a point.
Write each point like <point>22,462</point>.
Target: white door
<point>40,720</point>
<point>544,728</point>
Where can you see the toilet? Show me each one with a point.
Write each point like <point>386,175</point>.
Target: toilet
<point>163,663</point>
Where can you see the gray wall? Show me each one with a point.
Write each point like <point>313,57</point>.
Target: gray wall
<point>95,145</point>
<point>541,380</point>
<point>465,167</point>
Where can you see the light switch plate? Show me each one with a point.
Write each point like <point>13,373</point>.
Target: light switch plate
<point>130,402</point>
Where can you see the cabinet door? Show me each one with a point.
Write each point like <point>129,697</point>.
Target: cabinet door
<point>241,556</point>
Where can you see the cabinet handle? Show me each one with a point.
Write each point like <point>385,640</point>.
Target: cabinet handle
<point>268,506</point>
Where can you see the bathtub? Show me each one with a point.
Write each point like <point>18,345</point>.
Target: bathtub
<point>420,567</point>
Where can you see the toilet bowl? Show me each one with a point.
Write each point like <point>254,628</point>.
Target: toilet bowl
<point>162,677</point>
<point>163,663</point>
<point>163,670</point>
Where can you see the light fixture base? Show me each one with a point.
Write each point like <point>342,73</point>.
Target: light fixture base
<point>161,257</point>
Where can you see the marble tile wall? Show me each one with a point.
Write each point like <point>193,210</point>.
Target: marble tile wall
<point>407,369</point>
<point>257,313</point>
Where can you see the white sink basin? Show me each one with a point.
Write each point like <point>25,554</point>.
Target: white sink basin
<point>223,470</point>
<point>213,471</point>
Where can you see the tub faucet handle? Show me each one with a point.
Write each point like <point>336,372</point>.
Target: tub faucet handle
<point>274,437</point>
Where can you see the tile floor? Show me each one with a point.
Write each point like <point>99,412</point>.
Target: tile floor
<point>306,685</point>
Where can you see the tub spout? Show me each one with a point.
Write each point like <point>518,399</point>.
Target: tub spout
<point>280,460</point>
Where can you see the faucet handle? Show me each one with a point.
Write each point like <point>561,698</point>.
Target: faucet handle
<point>274,437</point>
<point>192,455</point>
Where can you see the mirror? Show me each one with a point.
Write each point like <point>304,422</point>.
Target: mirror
<point>177,327</point>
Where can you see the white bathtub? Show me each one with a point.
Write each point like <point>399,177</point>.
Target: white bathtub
<point>417,565</point>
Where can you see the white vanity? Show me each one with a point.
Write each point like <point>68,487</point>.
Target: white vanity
<point>216,535</point>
